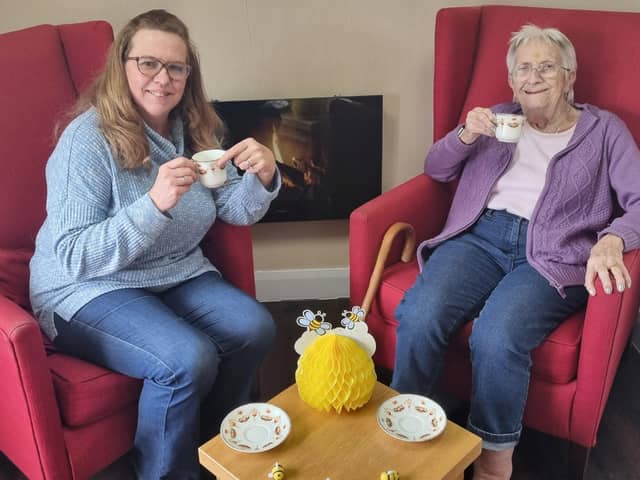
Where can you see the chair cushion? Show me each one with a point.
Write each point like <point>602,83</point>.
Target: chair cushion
<point>87,392</point>
<point>555,360</point>
<point>396,280</point>
<point>14,275</point>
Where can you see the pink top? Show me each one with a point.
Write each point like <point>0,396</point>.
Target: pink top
<point>517,191</point>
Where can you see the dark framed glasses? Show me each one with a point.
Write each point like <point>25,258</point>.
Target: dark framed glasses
<point>151,66</point>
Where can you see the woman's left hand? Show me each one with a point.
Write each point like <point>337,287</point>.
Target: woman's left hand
<point>606,261</point>
<point>251,156</point>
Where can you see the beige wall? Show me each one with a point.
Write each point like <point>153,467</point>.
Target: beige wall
<point>257,49</point>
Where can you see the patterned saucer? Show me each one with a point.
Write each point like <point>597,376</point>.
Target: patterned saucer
<point>255,427</point>
<point>412,418</point>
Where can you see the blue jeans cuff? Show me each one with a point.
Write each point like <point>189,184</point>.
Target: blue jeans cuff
<point>496,441</point>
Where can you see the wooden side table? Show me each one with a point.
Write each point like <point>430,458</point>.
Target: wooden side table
<point>346,446</point>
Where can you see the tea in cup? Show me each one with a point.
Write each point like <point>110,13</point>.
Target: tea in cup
<point>509,127</point>
<point>208,172</point>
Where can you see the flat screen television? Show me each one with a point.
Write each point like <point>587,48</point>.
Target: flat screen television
<point>328,150</point>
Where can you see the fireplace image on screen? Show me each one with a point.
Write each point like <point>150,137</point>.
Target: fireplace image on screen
<point>328,150</point>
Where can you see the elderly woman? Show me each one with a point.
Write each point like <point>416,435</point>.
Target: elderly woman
<point>118,276</point>
<point>530,230</point>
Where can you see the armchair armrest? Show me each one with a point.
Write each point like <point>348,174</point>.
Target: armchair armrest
<point>28,399</point>
<point>608,323</point>
<point>421,202</point>
<point>230,249</point>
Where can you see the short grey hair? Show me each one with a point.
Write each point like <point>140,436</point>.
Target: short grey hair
<point>550,36</point>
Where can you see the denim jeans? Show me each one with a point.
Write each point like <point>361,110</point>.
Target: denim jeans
<point>196,345</point>
<point>482,274</point>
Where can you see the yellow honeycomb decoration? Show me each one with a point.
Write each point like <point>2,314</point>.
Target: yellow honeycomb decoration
<point>335,373</point>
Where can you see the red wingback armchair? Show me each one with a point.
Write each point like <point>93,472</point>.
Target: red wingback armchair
<point>61,418</point>
<point>574,368</point>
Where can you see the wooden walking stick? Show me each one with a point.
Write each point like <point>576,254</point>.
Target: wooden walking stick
<point>407,255</point>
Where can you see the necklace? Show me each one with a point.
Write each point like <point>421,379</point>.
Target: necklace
<point>556,129</point>
<point>564,122</point>
<point>568,119</point>
<point>546,130</point>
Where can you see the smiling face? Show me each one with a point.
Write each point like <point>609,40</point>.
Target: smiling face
<point>156,96</point>
<point>541,96</point>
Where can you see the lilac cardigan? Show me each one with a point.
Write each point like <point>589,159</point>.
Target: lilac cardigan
<point>598,170</point>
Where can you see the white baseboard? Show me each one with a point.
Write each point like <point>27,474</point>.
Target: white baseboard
<point>302,284</point>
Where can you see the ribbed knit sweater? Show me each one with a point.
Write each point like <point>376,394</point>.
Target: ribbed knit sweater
<point>102,231</point>
<point>599,168</point>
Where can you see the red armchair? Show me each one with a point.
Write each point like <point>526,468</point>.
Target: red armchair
<point>574,368</point>
<point>61,418</point>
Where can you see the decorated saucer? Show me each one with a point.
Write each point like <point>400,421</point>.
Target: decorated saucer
<point>255,427</point>
<point>412,418</point>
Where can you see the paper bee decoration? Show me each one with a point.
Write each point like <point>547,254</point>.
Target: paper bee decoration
<point>335,370</point>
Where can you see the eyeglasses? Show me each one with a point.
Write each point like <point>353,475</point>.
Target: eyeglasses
<point>545,69</point>
<point>150,67</point>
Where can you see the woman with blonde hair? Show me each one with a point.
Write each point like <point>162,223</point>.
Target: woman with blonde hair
<point>118,277</point>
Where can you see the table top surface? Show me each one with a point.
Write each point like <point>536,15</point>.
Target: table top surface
<point>344,446</point>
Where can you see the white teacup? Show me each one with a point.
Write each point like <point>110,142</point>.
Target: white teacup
<point>208,172</point>
<point>509,127</point>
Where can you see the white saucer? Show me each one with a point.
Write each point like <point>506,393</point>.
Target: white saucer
<point>412,418</point>
<point>255,427</point>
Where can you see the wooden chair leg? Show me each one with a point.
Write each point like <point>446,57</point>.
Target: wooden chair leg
<point>578,461</point>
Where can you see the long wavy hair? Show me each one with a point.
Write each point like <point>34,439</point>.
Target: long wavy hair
<point>120,120</point>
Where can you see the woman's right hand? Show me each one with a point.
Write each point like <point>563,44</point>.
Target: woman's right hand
<point>479,121</point>
<point>173,181</point>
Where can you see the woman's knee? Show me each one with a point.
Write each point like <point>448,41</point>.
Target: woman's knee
<point>254,328</point>
<point>496,342</point>
<point>196,366</point>
<point>421,318</point>
<point>264,331</point>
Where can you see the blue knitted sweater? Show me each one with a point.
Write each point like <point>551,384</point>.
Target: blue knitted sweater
<point>102,232</point>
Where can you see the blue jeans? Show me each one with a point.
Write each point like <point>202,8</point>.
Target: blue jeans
<point>196,345</point>
<point>482,274</point>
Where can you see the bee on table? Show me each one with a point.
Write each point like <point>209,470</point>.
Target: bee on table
<point>277,472</point>
<point>351,317</point>
<point>390,475</point>
<point>314,322</point>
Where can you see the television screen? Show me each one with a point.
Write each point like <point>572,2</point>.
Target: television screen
<point>328,150</point>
